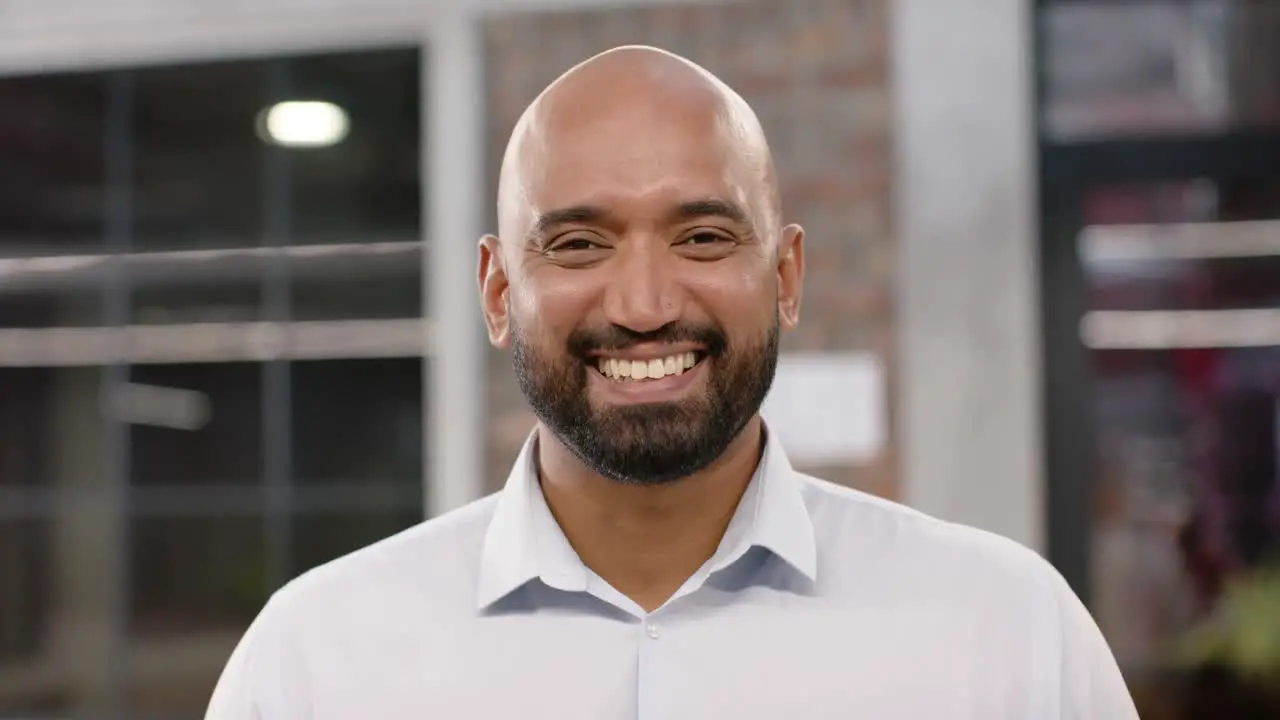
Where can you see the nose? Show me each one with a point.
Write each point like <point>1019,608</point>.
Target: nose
<point>643,294</point>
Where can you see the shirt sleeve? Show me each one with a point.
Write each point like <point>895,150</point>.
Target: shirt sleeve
<point>1089,681</point>
<point>262,679</point>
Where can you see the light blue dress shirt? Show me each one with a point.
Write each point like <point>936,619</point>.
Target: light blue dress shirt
<point>821,602</point>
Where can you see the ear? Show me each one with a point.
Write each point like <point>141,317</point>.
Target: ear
<point>790,275</point>
<point>492,276</point>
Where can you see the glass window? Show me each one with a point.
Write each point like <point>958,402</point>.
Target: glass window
<point>194,426</point>
<point>359,423</point>
<point>52,199</point>
<point>52,135</point>
<point>32,674</point>
<point>196,584</point>
<point>198,180</point>
<point>368,188</point>
<point>196,574</point>
<point>1183,310</point>
<point>234,395</point>
<point>1137,68</point>
<point>24,425</point>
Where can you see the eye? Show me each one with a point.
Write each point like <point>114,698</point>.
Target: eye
<point>577,252</point>
<point>704,238</point>
<point>575,244</point>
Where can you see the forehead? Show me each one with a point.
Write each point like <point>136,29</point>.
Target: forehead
<point>634,159</point>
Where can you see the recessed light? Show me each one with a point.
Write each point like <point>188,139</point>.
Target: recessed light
<point>304,124</point>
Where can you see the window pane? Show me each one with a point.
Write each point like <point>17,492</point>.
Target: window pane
<point>58,649</point>
<point>1159,67</point>
<point>358,423</point>
<point>33,679</point>
<point>367,187</point>
<point>24,426</point>
<point>196,574</point>
<point>195,425</point>
<point>54,441</point>
<point>1185,357</point>
<point>51,199</point>
<point>1139,68</point>
<point>199,160</point>
<point>196,584</point>
<point>51,180</point>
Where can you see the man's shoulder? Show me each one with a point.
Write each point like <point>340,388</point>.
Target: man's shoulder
<point>861,522</point>
<point>438,557</point>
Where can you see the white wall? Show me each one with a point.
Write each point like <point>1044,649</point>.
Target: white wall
<point>968,300</point>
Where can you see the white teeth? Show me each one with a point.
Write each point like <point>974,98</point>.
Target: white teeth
<point>619,369</point>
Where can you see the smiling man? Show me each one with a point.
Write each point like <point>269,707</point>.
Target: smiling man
<point>653,554</point>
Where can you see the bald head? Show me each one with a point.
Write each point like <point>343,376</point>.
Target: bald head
<point>634,103</point>
<point>640,240</point>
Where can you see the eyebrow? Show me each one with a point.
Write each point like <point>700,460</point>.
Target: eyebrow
<point>578,214</point>
<point>712,207</point>
<point>593,215</point>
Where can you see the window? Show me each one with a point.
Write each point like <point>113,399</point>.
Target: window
<point>211,354</point>
<point>1142,68</point>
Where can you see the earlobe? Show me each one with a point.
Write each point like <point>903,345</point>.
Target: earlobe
<point>790,275</point>
<point>494,285</point>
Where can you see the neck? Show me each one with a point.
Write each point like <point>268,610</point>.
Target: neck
<point>646,541</point>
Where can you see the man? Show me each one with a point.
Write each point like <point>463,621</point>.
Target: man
<point>653,555</point>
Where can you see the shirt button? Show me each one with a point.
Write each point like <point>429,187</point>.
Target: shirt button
<point>651,629</point>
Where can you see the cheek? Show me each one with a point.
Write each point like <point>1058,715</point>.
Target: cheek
<point>552,306</point>
<point>737,298</point>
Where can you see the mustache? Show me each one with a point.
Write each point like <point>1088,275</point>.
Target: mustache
<point>615,338</point>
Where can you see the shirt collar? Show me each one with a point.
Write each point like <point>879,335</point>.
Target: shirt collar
<point>524,542</point>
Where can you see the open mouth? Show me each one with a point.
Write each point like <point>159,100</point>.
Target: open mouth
<point>627,370</point>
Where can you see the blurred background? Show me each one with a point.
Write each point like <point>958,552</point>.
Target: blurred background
<point>239,334</point>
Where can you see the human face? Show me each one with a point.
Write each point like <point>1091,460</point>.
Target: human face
<point>644,301</point>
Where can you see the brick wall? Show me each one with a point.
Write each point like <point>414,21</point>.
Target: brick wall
<point>816,71</point>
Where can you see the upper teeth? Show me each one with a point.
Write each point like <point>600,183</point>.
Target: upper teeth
<point>621,369</point>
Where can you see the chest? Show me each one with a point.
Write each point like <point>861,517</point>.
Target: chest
<point>750,663</point>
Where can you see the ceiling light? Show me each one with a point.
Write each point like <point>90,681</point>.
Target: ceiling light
<point>304,124</point>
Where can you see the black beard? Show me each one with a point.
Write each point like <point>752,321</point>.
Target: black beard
<point>651,444</point>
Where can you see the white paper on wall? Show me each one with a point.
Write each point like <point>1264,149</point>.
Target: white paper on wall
<point>828,408</point>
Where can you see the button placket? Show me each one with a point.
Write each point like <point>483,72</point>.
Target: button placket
<point>649,680</point>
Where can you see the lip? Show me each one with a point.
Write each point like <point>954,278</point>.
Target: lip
<point>670,388</point>
<point>649,351</point>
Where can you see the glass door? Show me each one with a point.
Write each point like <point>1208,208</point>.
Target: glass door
<point>1162,321</point>
<point>1160,269</point>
